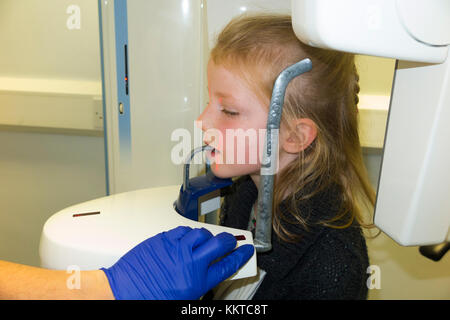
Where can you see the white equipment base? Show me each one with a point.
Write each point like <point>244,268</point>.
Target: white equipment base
<point>91,240</point>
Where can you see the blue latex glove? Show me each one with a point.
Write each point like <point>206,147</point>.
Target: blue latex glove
<point>176,265</point>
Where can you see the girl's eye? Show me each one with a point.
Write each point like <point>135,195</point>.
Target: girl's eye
<point>229,113</point>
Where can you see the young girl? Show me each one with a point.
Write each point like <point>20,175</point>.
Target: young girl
<point>321,187</point>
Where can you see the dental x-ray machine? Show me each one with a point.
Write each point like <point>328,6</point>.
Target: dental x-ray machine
<point>413,202</point>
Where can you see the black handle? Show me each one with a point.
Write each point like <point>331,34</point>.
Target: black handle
<point>435,252</point>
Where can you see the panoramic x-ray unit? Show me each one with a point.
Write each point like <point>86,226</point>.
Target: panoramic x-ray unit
<point>153,60</point>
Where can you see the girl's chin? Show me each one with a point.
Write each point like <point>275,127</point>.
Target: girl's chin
<point>221,172</point>
<point>226,171</point>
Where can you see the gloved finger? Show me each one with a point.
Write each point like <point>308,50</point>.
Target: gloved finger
<point>215,248</point>
<point>176,233</point>
<point>226,267</point>
<point>196,237</point>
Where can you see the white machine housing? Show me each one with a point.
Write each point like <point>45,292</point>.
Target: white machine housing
<point>413,30</point>
<point>413,206</point>
<point>96,233</point>
<point>413,203</point>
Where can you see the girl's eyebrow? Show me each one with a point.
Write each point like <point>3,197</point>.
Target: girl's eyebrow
<point>224,95</point>
<point>221,94</point>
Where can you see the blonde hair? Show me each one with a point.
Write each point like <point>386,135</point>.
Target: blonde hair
<point>258,47</point>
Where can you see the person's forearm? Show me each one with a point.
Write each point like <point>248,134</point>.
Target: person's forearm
<point>25,282</point>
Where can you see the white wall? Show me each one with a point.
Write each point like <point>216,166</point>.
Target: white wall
<point>404,272</point>
<point>36,42</point>
<point>41,173</point>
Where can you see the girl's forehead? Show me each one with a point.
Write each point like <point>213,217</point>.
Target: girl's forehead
<point>221,72</point>
<point>224,82</point>
<point>239,81</point>
<point>224,77</point>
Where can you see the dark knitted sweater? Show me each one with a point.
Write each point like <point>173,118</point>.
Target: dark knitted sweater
<point>326,263</point>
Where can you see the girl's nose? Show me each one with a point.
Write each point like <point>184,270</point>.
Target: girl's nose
<point>204,121</point>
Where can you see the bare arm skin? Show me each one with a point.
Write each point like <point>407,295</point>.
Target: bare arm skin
<point>20,282</point>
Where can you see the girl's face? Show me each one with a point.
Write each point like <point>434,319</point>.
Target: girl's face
<point>232,123</point>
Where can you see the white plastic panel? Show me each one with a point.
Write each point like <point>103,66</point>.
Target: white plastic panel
<point>114,225</point>
<point>371,27</point>
<point>165,61</point>
<point>167,54</point>
<point>166,65</point>
<point>413,202</point>
<point>427,21</point>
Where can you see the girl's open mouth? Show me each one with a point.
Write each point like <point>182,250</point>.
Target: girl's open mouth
<point>212,153</point>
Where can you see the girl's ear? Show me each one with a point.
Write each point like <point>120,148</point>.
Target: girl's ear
<point>302,133</point>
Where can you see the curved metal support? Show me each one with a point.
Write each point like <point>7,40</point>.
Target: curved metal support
<point>188,163</point>
<point>263,232</point>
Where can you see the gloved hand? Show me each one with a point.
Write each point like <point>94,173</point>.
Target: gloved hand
<point>176,265</point>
